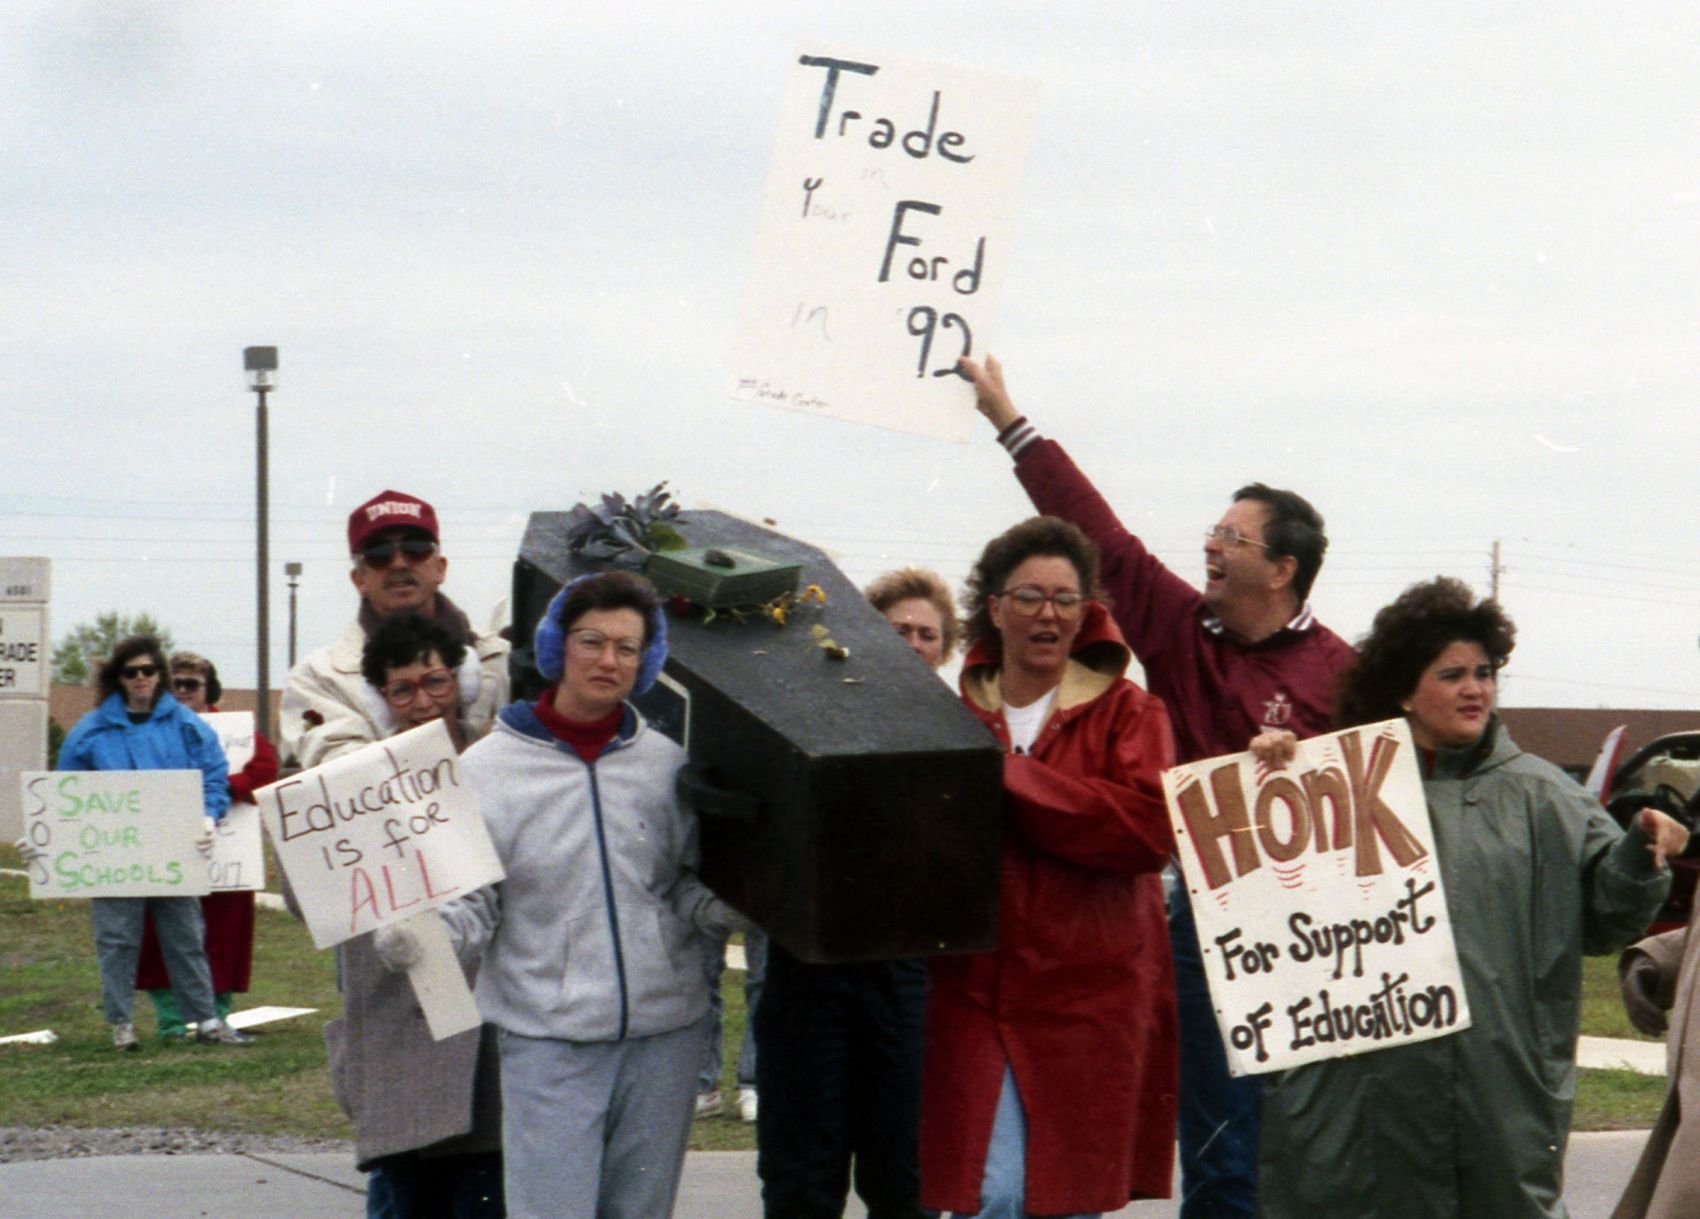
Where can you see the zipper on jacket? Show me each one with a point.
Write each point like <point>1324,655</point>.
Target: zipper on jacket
<point>608,898</point>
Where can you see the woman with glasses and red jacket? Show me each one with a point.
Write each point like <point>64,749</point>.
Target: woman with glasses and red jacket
<point>1049,1071</point>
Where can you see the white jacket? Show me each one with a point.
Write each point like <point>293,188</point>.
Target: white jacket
<point>594,935</point>
<point>329,708</point>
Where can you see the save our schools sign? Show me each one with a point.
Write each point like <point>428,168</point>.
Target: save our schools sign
<point>884,235</point>
<point>379,835</point>
<point>1319,903</point>
<point>115,833</point>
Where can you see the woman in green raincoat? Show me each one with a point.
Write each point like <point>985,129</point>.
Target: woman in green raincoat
<point>1536,874</point>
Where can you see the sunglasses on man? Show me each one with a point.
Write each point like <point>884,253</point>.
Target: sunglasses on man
<point>382,554</point>
<point>187,684</point>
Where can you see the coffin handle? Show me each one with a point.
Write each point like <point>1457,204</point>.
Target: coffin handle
<point>698,790</point>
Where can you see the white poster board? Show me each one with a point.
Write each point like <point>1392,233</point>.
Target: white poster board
<point>883,241</point>
<point>379,835</point>
<point>235,732</point>
<point>1320,910</point>
<point>115,833</point>
<point>239,857</point>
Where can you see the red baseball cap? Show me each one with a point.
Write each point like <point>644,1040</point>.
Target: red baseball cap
<point>390,510</point>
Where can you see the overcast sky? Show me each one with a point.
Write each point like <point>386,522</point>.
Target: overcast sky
<point>1436,266</point>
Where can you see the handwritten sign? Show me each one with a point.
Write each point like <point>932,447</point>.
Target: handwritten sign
<point>235,732</point>
<point>883,240</point>
<point>1320,909</point>
<point>379,835</point>
<point>115,833</point>
<point>238,858</point>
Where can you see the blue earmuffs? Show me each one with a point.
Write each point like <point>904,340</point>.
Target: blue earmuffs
<point>549,644</point>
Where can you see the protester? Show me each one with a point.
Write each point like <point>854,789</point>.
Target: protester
<point>1659,975</point>
<point>139,726</point>
<point>711,1100</point>
<point>1049,1075</point>
<point>427,1114</point>
<point>920,608</point>
<point>228,914</point>
<point>591,958</point>
<point>839,1046</point>
<point>1536,873</point>
<point>1245,655</point>
<point>328,708</point>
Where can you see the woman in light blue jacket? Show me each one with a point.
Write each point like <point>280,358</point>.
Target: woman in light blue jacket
<point>591,948</point>
<point>140,726</point>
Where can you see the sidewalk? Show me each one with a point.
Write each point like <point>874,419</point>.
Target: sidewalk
<point>717,1185</point>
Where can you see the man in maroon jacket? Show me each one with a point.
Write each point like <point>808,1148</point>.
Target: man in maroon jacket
<point>1243,656</point>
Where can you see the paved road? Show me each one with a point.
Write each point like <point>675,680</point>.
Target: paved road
<point>718,1185</point>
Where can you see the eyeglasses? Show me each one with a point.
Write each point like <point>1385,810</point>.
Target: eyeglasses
<point>591,644</point>
<point>435,682</point>
<point>1230,536</point>
<point>382,554</point>
<point>1028,601</point>
<point>134,671</point>
<point>186,684</point>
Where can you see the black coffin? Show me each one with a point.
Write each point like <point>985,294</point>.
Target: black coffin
<point>870,822</point>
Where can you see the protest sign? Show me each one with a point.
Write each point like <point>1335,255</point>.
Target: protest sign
<point>1321,915</point>
<point>235,732</point>
<point>883,240</point>
<point>239,857</point>
<point>379,835</point>
<point>115,833</point>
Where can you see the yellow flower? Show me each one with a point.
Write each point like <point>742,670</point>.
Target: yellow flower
<point>778,611</point>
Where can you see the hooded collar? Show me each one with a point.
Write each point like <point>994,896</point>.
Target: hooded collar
<point>1098,659</point>
<point>113,709</point>
<point>1494,748</point>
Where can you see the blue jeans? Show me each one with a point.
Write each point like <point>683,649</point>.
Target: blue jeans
<point>118,945</point>
<point>755,973</point>
<point>1003,1192</point>
<point>1219,1114</point>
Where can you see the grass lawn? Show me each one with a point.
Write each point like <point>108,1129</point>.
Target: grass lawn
<point>278,1085</point>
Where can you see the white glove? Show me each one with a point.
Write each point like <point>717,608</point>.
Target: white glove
<point>28,851</point>
<point>397,947</point>
<point>209,833</point>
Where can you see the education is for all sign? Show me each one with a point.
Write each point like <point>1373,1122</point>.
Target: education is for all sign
<point>115,833</point>
<point>379,835</point>
<point>883,240</point>
<point>1319,904</point>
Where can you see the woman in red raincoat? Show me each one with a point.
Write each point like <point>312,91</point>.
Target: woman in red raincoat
<point>1049,1076</point>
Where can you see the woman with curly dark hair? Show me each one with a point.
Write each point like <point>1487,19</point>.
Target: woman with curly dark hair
<point>1536,874</point>
<point>1048,1078</point>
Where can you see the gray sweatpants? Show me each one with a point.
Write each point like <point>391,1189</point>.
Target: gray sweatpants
<point>178,923</point>
<point>597,1129</point>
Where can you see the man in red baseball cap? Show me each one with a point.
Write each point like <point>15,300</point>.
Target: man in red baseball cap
<point>398,568</point>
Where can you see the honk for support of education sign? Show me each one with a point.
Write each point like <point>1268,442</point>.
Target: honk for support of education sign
<point>379,835</point>
<point>1319,903</point>
<point>115,833</point>
<point>884,236</point>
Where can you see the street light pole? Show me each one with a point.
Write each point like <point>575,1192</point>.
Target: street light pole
<point>261,366</point>
<point>293,571</point>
